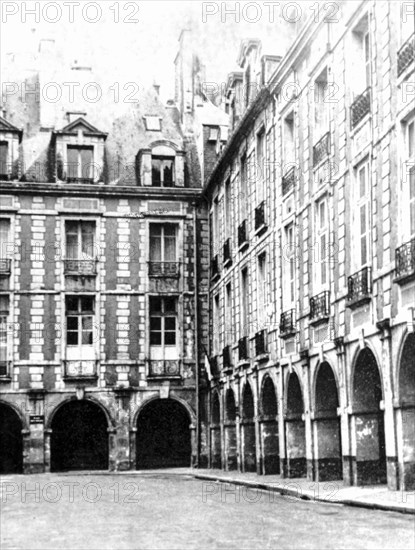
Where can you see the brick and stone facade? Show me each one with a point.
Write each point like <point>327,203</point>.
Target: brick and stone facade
<point>312,283</point>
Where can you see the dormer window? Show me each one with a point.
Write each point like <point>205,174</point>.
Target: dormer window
<point>162,170</point>
<point>152,123</point>
<point>80,164</point>
<point>10,138</point>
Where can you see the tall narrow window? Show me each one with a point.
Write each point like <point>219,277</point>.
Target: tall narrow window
<point>228,315</point>
<point>243,197</point>
<point>4,166</point>
<point>216,325</point>
<point>321,118</point>
<point>408,179</point>
<point>362,220</point>
<point>289,267</point>
<point>5,244</point>
<point>4,315</point>
<point>163,327</point>
<point>79,327</point>
<point>80,164</point>
<point>288,142</point>
<point>361,62</point>
<point>163,242</point>
<point>244,302</point>
<point>162,171</point>
<point>228,207</point>
<point>322,249</point>
<point>80,240</point>
<point>262,287</point>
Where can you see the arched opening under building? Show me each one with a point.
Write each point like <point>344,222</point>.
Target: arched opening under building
<point>248,431</point>
<point>215,434</point>
<point>269,428</point>
<point>11,441</point>
<point>369,421</point>
<point>163,435</point>
<point>407,406</point>
<point>231,462</point>
<point>79,438</point>
<point>296,463</point>
<point>327,435</point>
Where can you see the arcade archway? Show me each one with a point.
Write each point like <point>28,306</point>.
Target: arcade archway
<point>231,462</point>
<point>215,434</point>
<point>11,441</point>
<point>295,429</point>
<point>248,431</point>
<point>269,428</point>
<point>407,406</point>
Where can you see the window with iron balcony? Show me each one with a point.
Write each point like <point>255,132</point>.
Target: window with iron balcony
<point>406,54</point>
<point>360,108</point>
<point>227,259</point>
<point>287,323</point>
<point>227,357</point>
<point>321,149</point>
<point>4,315</point>
<point>261,343</point>
<point>80,248</point>
<point>260,224</point>
<point>243,348</point>
<point>242,235</point>
<point>320,307</point>
<point>288,181</point>
<point>163,251</point>
<point>359,286</point>
<point>164,368</point>
<point>405,262</point>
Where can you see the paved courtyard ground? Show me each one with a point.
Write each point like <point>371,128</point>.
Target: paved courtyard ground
<point>169,510</point>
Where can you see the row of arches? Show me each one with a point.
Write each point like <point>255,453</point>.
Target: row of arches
<point>80,436</point>
<point>259,438</point>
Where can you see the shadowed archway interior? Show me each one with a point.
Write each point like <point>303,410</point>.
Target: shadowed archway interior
<point>231,460</point>
<point>407,404</point>
<point>11,441</point>
<point>248,430</point>
<point>269,429</point>
<point>79,437</point>
<point>296,465</point>
<point>163,435</point>
<point>215,434</point>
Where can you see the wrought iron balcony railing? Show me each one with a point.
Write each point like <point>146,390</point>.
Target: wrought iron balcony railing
<point>242,235</point>
<point>320,306</point>
<point>288,181</point>
<point>287,323</point>
<point>260,342</point>
<point>406,54</point>
<point>214,267</point>
<point>243,348</point>
<point>227,259</point>
<point>163,368</point>
<point>80,368</point>
<point>84,268</point>
<point>359,287</point>
<point>260,216</point>
<point>321,149</point>
<point>5,266</point>
<point>163,269</point>
<point>227,357</point>
<point>85,181</point>
<point>360,108</point>
<point>405,262</point>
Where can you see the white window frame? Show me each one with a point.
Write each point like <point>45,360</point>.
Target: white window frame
<point>5,245</point>
<point>361,63</point>
<point>81,255</point>
<point>79,171</point>
<point>322,250</point>
<point>321,106</point>
<point>361,200</point>
<point>407,166</point>
<point>162,238</point>
<point>81,351</point>
<point>288,136</point>
<point>289,267</point>
<point>164,351</point>
<point>262,287</point>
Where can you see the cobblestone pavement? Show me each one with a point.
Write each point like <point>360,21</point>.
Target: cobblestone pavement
<point>170,510</point>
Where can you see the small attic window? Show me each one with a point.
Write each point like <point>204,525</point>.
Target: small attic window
<point>213,134</point>
<point>153,123</point>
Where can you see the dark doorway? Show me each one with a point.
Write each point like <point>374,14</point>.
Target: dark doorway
<point>231,460</point>
<point>163,435</point>
<point>369,421</point>
<point>248,431</point>
<point>79,437</point>
<point>215,434</point>
<point>407,405</point>
<point>296,465</point>
<point>11,442</point>
<point>269,429</point>
<point>328,464</point>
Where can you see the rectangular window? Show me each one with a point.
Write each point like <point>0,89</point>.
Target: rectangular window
<point>80,311</point>
<point>80,163</point>
<point>4,315</point>
<point>162,170</point>
<point>321,118</point>
<point>4,158</point>
<point>228,315</point>
<point>163,242</point>
<point>228,207</point>
<point>163,321</point>
<point>244,303</point>
<point>362,216</point>
<point>213,134</point>
<point>289,267</point>
<point>262,287</point>
<point>243,197</point>
<point>288,141</point>
<point>5,244</point>
<point>80,240</point>
<point>361,57</point>
<point>322,251</point>
<point>216,325</point>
